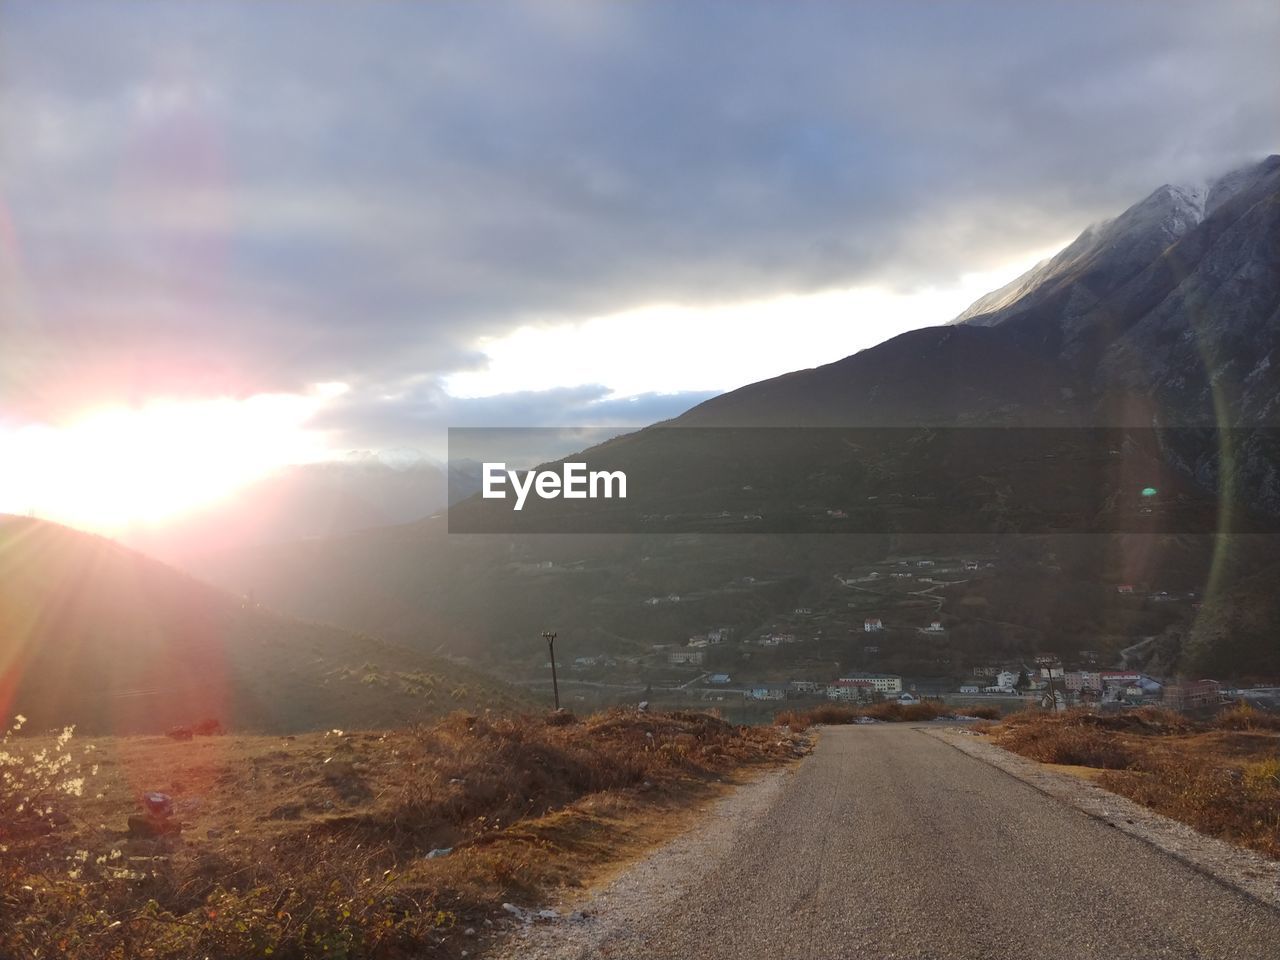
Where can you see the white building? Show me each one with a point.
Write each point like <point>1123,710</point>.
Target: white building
<point>880,682</point>
<point>849,689</point>
<point>1006,681</point>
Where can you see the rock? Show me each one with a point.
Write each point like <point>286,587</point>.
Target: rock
<point>286,811</point>
<point>439,852</point>
<point>518,912</point>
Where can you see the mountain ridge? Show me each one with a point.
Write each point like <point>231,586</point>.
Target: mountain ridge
<point>96,634</point>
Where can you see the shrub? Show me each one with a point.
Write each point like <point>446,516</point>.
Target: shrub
<point>1243,807</point>
<point>508,796</point>
<point>983,712</point>
<point>35,780</point>
<point>1243,716</point>
<point>795,720</point>
<point>836,714</point>
<point>1066,739</point>
<point>1262,776</point>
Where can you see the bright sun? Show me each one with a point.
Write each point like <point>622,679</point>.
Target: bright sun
<point>124,466</point>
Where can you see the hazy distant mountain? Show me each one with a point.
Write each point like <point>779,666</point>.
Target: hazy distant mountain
<point>311,500</point>
<point>103,637</point>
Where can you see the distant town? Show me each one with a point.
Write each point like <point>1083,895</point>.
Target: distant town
<point>925,610</point>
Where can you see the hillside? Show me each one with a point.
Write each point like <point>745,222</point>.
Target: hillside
<point>103,637</point>
<point>1166,315</point>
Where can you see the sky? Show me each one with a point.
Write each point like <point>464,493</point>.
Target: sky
<point>247,234</point>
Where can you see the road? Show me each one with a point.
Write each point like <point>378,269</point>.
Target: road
<point>888,843</point>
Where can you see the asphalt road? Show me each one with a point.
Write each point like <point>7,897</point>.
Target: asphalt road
<point>887,843</point>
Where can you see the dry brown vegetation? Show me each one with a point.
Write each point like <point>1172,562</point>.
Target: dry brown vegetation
<point>1221,776</point>
<point>890,712</point>
<point>330,844</point>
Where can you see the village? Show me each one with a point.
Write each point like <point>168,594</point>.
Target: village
<point>902,629</point>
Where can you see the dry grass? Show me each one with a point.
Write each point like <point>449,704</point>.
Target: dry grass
<point>1242,716</point>
<point>320,845</point>
<point>889,712</point>
<point>1221,777</point>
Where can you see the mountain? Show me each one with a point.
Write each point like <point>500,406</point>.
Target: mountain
<point>308,500</point>
<point>1165,316</point>
<point>103,637</point>
<point>1170,311</point>
<point>1177,300</point>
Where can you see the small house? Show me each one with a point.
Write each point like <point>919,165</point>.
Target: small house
<point>767,691</point>
<point>686,656</point>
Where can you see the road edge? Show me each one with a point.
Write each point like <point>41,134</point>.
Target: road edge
<point>585,920</point>
<point>1247,873</point>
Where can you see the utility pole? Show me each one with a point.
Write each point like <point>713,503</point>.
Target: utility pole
<point>551,649</point>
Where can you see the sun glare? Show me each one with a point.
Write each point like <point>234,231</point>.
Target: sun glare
<point>124,466</point>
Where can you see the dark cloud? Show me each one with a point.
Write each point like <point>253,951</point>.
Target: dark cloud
<point>213,197</point>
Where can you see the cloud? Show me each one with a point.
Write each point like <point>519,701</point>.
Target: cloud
<point>415,417</point>
<point>238,198</point>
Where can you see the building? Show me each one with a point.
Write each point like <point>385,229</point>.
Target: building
<point>1006,681</point>
<point>1113,679</point>
<point>1077,680</point>
<point>970,687</point>
<point>802,611</point>
<point>849,689</point>
<point>685,656</point>
<point>1121,685</point>
<point>971,564</point>
<point>777,639</point>
<point>719,679</point>
<point>804,687</point>
<point>767,691</point>
<point>935,627</point>
<point>885,683</point>
<point>1125,588</point>
<point>1192,694</point>
<point>872,624</point>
